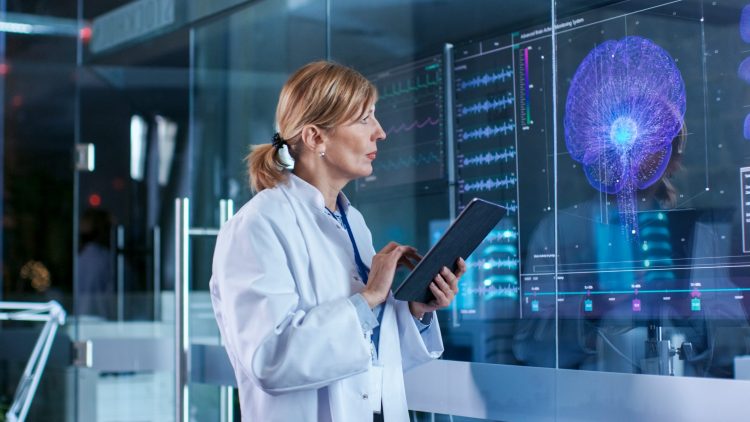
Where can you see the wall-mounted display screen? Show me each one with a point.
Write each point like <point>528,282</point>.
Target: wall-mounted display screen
<point>624,163</point>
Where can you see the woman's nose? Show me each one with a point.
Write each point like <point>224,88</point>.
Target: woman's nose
<point>380,133</point>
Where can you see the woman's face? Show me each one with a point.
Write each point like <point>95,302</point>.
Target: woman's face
<point>352,147</point>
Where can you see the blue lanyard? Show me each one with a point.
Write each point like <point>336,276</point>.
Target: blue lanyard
<point>364,270</point>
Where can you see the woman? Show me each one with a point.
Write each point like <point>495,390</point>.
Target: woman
<point>301,298</point>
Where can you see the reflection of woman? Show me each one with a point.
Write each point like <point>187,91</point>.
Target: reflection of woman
<point>96,276</point>
<point>593,250</point>
<point>302,300</point>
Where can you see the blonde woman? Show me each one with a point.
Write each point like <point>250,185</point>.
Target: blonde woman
<point>302,300</point>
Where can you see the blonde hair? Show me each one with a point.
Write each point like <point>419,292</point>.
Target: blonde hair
<point>321,93</point>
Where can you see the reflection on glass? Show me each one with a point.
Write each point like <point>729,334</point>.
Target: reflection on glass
<point>410,110</point>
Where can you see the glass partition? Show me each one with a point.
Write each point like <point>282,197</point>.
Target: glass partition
<point>240,62</point>
<point>37,207</point>
<point>463,92</point>
<point>652,265</point>
<point>465,100</point>
<point>615,134</point>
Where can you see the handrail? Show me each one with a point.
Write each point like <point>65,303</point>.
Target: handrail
<point>53,315</point>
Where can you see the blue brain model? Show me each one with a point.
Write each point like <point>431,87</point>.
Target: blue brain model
<point>625,106</point>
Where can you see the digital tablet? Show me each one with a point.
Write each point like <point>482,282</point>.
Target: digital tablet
<point>463,236</point>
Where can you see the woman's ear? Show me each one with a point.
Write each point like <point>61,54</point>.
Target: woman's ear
<point>312,137</point>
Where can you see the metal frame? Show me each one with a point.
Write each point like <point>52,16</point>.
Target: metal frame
<point>53,315</point>
<point>182,286</point>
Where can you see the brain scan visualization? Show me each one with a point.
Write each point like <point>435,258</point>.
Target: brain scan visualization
<point>625,106</point>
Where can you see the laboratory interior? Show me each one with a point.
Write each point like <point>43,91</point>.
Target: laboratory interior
<point>616,135</point>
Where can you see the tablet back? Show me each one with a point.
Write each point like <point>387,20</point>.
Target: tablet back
<point>459,241</point>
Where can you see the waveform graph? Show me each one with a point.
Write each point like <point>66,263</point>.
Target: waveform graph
<point>410,110</point>
<point>489,158</point>
<point>511,207</point>
<point>495,104</point>
<point>494,264</point>
<point>412,126</point>
<point>485,79</point>
<point>488,184</point>
<point>508,235</point>
<point>407,161</point>
<point>487,132</point>
<point>423,82</point>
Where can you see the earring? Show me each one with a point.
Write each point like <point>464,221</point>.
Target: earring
<point>322,154</point>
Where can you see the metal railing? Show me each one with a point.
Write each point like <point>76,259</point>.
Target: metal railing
<point>53,315</point>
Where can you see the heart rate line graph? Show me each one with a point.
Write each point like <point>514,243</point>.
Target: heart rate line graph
<point>419,83</point>
<point>410,110</point>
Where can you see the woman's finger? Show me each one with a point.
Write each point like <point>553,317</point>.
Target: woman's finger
<point>461,265</point>
<point>440,281</point>
<point>410,258</point>
<point>440,297</point>
<point>451,278</point>
<point>389,247</point>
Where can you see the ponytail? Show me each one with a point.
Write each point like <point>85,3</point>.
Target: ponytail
<point>265,167</point>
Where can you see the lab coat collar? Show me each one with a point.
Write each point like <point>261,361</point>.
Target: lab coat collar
<point>310,195</point>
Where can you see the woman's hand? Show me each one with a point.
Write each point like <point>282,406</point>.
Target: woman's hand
<point>383,267</point>
<point>444,287</point>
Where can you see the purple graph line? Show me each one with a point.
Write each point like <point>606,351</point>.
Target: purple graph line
<point>413,125</point>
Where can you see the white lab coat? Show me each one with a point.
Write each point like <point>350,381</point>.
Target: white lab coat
<point>283,272</point>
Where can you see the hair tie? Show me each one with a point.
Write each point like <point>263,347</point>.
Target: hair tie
<point>278,142</point>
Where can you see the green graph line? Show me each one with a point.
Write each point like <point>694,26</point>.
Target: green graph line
<point>398,88</point>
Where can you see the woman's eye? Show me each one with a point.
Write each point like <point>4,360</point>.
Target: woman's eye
<point>365,119</point>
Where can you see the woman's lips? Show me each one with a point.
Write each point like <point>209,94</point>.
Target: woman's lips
<point>372,155</point>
